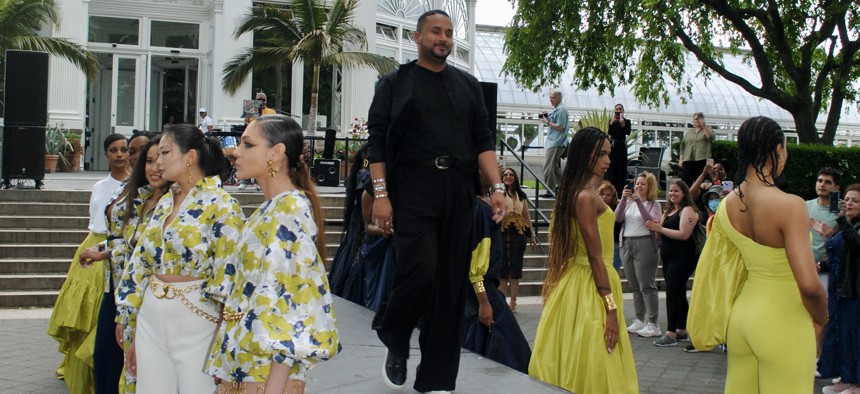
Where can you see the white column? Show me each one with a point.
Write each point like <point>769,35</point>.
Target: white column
<point>223,46</point>
<point>67,84</point>
<point>358,83</point>
<point>296,90</point>
<point>470,34</point>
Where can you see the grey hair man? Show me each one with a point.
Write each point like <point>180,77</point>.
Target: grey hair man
<point>558,128</point>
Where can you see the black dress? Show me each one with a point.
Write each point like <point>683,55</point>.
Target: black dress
<point>617,173</point>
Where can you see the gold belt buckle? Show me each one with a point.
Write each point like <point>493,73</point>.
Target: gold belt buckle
<point>233,316</point>
<point>166,291</point>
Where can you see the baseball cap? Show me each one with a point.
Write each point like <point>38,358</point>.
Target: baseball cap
<point>202,109</point>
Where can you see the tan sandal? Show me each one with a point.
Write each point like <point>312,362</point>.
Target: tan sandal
<point>514,306</point>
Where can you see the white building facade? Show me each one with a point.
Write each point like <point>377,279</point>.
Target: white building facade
<point>162,60</point>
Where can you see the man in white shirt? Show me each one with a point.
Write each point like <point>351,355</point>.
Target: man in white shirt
<point>206,125</point>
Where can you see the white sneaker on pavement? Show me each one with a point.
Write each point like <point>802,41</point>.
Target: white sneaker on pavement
<point>650,330</point>
<point>243,186</point>
<point>635,326</point>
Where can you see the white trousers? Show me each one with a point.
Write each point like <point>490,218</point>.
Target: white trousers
<point>172,344</point>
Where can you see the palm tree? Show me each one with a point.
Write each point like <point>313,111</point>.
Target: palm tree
<point>306,31</point>
<point>19,21</point>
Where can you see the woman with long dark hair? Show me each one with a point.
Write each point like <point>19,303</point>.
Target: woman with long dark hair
<point>578,345</point>
<point>780,304</point>
<point>516,230</point>
<point>678,252</point>
<point>278,316</point>
<point>169,288</point>
<point>76,312</point>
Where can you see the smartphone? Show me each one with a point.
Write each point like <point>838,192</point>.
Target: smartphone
<point>728,186</point>
<point>630,185</point>
<point>709,162</point>
<point>834,201</point>
<point>617,115</point>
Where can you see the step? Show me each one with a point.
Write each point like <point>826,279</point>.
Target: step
<point>42,208</point>
<point>42,236</point>
<point>28,299</point>
<point>34,266</point>
<point>41,251</point>
<point>43,222</point>
<point>56,196</point>
<point>30,282</point>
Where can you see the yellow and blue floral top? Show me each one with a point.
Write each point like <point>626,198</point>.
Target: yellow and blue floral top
<point>279,297</point>
<point>114,212</point>
<point>197,242</point>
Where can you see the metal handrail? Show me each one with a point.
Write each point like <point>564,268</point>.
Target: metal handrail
<point>503,146</point>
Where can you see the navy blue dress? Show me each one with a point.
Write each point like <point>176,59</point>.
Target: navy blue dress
<point>829,362</point>
<point>346,274</point>
<point>505,342</point>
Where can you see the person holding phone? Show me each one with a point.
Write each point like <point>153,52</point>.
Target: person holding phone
<point>639,247</point>
<point>619,129</point>
<point>713,174</point>
<point>696,148</point>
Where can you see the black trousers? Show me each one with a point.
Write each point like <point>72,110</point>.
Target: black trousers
<point>433,223</point>
<point>107,355</point>
<point>617,173</point>
<point>677,268</point>
<point>691,171</point>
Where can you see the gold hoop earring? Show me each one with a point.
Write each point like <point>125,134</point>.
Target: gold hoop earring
<point>188,173</point>
<point>273,172</point>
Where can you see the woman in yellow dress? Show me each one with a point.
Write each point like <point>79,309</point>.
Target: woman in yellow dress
<point>75,313</point>
<point>772,325</point>
<point>278,316</point>
<point>578,345</point>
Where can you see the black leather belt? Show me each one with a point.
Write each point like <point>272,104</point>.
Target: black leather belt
<point>442,163</point>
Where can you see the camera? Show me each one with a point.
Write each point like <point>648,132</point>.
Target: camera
<point>543,115</point>
<point>834,201</point>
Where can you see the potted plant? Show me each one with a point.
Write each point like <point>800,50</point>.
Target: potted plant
<point>72,151</point>
<point>55,143</point>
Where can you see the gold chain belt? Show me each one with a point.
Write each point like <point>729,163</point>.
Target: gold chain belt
<point>256,387</point>
<point>233,316</point>
<point>163,290</point>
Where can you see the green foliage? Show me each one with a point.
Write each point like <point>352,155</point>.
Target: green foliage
<point>597,119</point>
<point>802,166</point>
<point>55,141</point>
<point>307,31</point>
<point>807,53</point>
<point>19,21</point>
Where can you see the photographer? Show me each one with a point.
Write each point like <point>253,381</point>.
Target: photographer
<point>555,145</point>
<point>619,129</point>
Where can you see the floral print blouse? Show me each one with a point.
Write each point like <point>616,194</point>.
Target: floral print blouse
<point>114,212</point>
<point>199,239</point>
<point>279,296</point>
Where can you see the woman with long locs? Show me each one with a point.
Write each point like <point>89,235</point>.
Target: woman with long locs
<point>578,345</point>
<point>279,319</point>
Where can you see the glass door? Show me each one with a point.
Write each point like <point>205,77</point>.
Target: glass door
<point>124,95</point>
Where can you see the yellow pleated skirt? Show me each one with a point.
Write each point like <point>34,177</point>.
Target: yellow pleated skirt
<point>75,316</point>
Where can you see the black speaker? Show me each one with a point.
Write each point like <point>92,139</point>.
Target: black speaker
<point>326,172</point>
<point>328,148</point>
<point>26,95</point>
<point>23,152</point>
<point>491,94</point>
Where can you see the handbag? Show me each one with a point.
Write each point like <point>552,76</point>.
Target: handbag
<point>719,277</point>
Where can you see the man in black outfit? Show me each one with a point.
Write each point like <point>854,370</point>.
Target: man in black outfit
<point>428,137</point>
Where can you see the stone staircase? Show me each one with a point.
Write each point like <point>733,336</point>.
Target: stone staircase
<point>40,231</point>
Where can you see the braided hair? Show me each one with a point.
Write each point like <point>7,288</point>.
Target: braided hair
<point>758,139</point>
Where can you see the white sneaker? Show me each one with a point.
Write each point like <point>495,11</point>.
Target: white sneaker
<point>636,326</point>
<point>243,186</point>
<point>650,330</point>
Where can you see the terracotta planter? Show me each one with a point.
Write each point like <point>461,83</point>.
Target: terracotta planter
<point>51,163</point>
<point>72,163</point>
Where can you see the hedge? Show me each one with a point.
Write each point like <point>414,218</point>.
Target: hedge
<point>801,170</point>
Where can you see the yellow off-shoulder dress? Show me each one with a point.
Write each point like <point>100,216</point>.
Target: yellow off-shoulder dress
<point>570,350</point>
